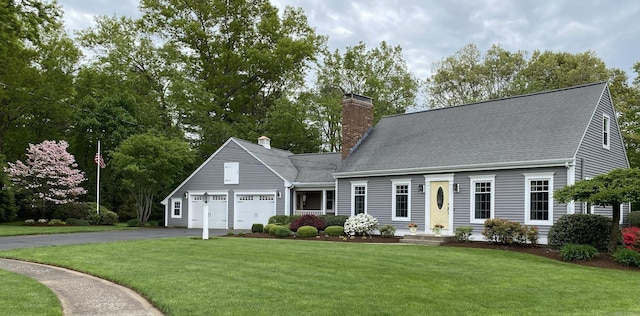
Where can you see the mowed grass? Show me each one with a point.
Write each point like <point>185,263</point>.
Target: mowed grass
<point>16,229</point>
<point>21,295</point>
<point>238,276</point>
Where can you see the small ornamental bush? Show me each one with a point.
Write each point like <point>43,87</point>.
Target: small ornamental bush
<point>257,228</point>
<point>627,257</point>
<point>573,252</point>
<point>134,222</point>
<point>388,231</point>
<point>361,224</point>
<point>268,227</point>
<point>279,219</point>
<point>506,232</point>
<point>307,220</point>
<point>634,218</point>
<point>306,231</point>
<point>56,222</point>
<point>334,230</point>
<point>334,220</point>
<point>463,233</point>
<point>274,228</point>
<point>631,238</point>
<point>42,221</point>
<point>77,222</point>
<point>30,222</point>
<point>582,229</point>
<point>105,217</point>
<point>282,231</point>
<point>152,223</point>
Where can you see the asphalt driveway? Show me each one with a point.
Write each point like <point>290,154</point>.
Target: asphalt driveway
<point>31,241</point>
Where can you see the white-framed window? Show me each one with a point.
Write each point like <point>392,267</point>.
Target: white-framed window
<point>176,208</point>
<point>606,128</point>
<point>482,197</point>
<point>358,197</point>
<point>401,200</point>
<point>231,173</point>
<point>538,198</point>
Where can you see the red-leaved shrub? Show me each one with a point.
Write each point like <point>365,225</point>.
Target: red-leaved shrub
<point>631,238</point>
<point>307,220</point>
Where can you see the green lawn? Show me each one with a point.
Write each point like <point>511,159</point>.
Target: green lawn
<point>21,295</point>
<point>237,276</point>
<point>16,228</point>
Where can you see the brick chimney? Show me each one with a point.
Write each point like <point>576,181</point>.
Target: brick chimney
<point>357,118</point>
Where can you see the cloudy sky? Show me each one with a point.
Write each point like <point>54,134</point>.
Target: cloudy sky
<point>430,30</point>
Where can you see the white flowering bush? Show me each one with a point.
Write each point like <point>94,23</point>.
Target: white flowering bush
<point>361,224</point>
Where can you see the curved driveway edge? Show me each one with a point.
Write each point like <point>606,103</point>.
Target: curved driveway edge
<point>83,294</point>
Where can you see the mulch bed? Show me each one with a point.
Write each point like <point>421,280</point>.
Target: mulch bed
<point>601,260</point>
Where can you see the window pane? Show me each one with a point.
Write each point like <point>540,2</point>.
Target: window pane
<point>359,204</point>
<point>482,200</point>
<point>402,206</point>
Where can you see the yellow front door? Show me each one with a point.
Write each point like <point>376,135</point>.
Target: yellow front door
<point>439,206</point>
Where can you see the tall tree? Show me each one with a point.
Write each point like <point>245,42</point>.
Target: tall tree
<point>380,73</point>
<point>614,188</point>
<point>8,208</point>
<point>48,176</point>
<point>288,127</point>
<point>626,98</point>
<point>242,53</point>
<point>149,165</point>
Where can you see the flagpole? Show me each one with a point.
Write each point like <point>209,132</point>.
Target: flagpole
<point>98,181</point>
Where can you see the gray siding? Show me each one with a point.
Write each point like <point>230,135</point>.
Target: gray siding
<point>593,159</point>
<point>254,176</point>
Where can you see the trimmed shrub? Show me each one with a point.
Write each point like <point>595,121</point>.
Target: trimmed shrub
<point>634,218</point>
<point>627,257</point>
<point>267,228</point>
<point>388,231</point>
<point>72,210</point>
<point>463,233</point>
<point>307,231</point>
<point>274,228</point>
<point>334,220</point>
<point>152,223</point>
<point>631,238</point>
<point>282,231</point>
<point>257,228</point>
<point>77,222</point>
<point>307,220</point>
<point>334,230</point>
<point>134,222</point>
<point>581,229</point>
<point>105,217</point>
<point>279,219</point>
<point>361,224</point>
<point>573,252</point>
<point>506,232</point>
<point>56,222</point>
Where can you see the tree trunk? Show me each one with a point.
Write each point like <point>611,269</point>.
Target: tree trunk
<point>614,235</point>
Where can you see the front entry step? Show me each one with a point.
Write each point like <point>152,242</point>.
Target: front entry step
<point>427,239</point>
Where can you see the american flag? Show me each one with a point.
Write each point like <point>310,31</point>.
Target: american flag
<point>99,161</point>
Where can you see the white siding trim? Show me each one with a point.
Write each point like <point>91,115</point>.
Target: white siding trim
<point>527,197</point>
<point>172,208</point>
<point>571,180</point>
<point>472,196</point>
<point>394,183</point>
<point>353,200</point>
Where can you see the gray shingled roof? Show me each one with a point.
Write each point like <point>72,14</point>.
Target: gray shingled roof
<point>316,168</point>
<point>534,127</point>
<point>276,159</point>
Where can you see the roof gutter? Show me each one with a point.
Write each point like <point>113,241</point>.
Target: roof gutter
<point>313,184</point>
<point>458,168</point>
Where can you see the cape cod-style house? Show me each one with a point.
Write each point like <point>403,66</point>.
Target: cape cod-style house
<point>454,166</point>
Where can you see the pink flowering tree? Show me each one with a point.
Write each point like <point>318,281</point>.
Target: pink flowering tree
<point>48,176</point>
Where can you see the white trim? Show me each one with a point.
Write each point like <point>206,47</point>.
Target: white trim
<point>353,200</point>
<point>231,172</point>
<point>491,178</point>
<point>457,168</point>
<point>172,208</point>
<point>394,183</point>
<point>287,201</point>
<point>606,131</point>
<point>528,177</point>
<point>571,180</point>
<point>427,200</point>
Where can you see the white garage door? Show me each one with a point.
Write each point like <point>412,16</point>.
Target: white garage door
<point>217,211</point>
<point>253,209</point>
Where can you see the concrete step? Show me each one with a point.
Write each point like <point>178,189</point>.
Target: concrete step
<point>427,239</point>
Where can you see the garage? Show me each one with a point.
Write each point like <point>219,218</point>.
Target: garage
<point>253,208</point>
<point>217,211</point>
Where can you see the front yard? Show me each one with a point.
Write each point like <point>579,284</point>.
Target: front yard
<point>17,229</point>
<point>242,276</point>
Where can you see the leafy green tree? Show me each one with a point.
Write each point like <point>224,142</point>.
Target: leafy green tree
<point>243,54</point>
<point>626,98</point>
<point>614,188</point>
<point>325,111</point>
<point>148,165</point>
<point>288,127</point>
<point>8,207</point>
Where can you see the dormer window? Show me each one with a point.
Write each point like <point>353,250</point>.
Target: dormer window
<point>606,126</point>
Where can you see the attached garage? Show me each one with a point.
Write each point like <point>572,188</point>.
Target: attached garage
<point>253,208</point>
<point>217,211</point>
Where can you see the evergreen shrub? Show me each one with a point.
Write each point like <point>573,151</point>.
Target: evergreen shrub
<point>307,231</point>
<point>581,229</point>
<point>573,252</point>
<point>334,230</point>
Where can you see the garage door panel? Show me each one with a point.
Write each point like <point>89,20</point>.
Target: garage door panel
<point>251,209</point>
<point>217,211</point>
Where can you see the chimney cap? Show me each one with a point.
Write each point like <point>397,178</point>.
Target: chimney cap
<point>358,97</point>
